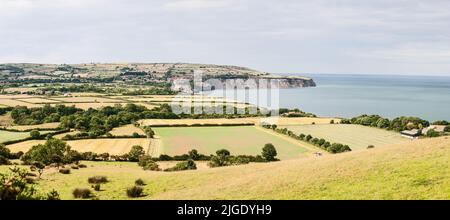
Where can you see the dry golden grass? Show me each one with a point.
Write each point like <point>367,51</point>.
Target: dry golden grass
<point>14,103</point>
<point>414,170</point>
<point>17,96</point>
<point>21,89</point>
<point>117,146</point>
<point>87,99</point>
<point>30,127</point>
<point>126,130</point>
<point>221,121</point>
<point>38,100</point>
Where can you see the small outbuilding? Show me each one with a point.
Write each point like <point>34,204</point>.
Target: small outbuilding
<point>412,134</point>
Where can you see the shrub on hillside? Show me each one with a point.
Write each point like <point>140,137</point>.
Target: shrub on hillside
<point>338,148</point>
<point>14,185</point>
<point>64,170</point>
<point>135,191</point>
<point>222,158</point>
<point>148,163</point>
<point>370,147</point>
<point>53,151</point>
<point>82,193</point>
<point>185,165</point>
<point>97,179</point>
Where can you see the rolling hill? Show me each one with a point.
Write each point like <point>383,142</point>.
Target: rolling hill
<point>412,170</point>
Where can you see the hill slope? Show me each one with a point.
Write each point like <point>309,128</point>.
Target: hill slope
<point>413,170</point>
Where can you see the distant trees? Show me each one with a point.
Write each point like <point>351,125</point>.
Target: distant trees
<point>397,124</point>
<point>322,143</point>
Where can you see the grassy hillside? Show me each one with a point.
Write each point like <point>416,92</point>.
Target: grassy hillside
<point>412,170</point>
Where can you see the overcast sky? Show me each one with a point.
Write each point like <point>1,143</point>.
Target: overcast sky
<point>292,36</point>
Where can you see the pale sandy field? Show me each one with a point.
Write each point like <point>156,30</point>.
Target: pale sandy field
<point>111,146</point>
<point>126,130</point>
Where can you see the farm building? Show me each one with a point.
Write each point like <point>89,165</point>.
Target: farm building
<point>413,134</point>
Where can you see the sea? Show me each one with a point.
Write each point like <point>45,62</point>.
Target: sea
<point>345,95</point>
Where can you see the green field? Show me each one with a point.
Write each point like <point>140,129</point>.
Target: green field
<point>11,136</point>
<point>356,136</point>
<point>411,170</point>
<point>246,140</point>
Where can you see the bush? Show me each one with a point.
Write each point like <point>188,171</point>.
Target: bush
<point>135,191</point>
<point>82,166</point>
<point>75,167</point>
<point>370,147</point>
<point>432,133</point>
<point>53,151</point>
<point>269,152</point>
<point>64,170</point>
<point>97,179</point>
<point>16,186</point>
<point>447,128</point>
<point>82,193</point>
<point>135,153</point>
<point>222,158</point>
<point>96,187</point>
<point>139,182</point>
<point>185,165</point>
<point>35,134</point>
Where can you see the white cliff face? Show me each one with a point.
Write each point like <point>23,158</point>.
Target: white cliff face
<point>241,83</point>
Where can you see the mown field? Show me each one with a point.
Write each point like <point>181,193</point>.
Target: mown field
<point>246,140</point>
<point>12,136</point>
<point>356,136</point>
<point>116,146</point>
<point>412,170</point>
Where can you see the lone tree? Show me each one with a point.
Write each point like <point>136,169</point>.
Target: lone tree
<point>135,153</point>
<point>53,151</point>
<point>269,152</point>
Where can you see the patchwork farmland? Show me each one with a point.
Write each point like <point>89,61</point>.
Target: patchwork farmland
<point>243,140</point>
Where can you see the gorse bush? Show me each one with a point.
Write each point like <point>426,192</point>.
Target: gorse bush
<point>139,182</point>
<point>82,193</point>
<point>97,179</point>
<point>135,191</point>
<point>185,165</point>
<point>64,170</point>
